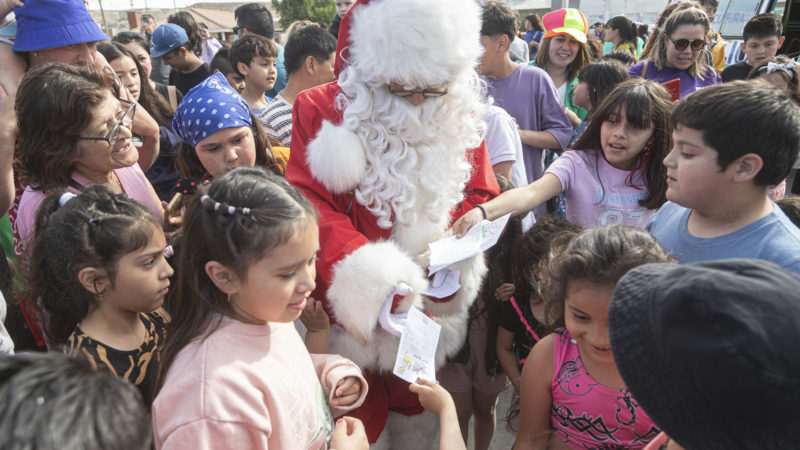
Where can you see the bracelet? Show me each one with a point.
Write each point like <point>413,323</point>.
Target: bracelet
<point>483,211</point>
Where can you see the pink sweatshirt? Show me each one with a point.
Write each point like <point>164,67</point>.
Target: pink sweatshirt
<point>250,386</point>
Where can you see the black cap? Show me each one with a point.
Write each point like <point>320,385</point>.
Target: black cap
<point>712,351</point>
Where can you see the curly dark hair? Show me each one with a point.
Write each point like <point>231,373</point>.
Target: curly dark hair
<point>599,255</point>
<point>54,106</point>
<point>94,229</point>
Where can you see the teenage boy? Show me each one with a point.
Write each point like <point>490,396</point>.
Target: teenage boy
<point>309,57</point>
<point>169,43</point>
<point>526,92</point>
<point>253,58</point>
<point>221,63</point>
<point>762,39</point>
<point>732,141</point>
<point>255,18</point>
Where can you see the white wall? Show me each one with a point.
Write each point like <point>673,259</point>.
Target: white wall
<point>641,11</point>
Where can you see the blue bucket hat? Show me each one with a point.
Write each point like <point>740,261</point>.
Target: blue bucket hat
<point>167,38</point>
<point>43,24</point>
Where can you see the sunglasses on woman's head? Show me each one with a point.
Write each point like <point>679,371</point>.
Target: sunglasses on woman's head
<point>681,44</point>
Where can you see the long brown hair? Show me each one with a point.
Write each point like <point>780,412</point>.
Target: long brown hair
<point>189,164</point>
<point>275,211</point>
<point>657,30</point>
<point>687,16</point>
<point>153,102</point>
<point>583,57</point>
<point>54,105</point>
<point>646,103</point>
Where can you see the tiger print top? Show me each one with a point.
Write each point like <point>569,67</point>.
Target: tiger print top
<point>138,366</point>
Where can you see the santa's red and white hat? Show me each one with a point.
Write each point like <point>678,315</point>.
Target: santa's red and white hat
<point>417,43</point>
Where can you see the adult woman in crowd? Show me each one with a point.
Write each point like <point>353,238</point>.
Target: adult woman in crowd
<point>622,33</point>
<point>678,53</point>
<point>75,132</point>
<point>162,175</point>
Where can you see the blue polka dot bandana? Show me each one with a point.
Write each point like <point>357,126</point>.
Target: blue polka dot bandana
<point>209,107</point>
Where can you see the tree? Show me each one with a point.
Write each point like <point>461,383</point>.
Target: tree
<point>315,10</point>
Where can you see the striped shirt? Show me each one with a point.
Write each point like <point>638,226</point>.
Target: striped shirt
<point>276,119</point>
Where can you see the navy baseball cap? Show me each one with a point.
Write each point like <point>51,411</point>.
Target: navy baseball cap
<point>167,38</point>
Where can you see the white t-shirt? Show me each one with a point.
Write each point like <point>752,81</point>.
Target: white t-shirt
<point>561,91</point>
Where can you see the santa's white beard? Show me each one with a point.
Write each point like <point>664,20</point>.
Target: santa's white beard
<point>415,154</point>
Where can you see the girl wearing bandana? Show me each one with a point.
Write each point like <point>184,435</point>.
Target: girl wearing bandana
<point>219,133</point>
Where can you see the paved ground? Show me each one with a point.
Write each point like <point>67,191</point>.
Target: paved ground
<point>503,437</point>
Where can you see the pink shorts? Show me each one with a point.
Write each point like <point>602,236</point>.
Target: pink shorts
<point>457,377</point>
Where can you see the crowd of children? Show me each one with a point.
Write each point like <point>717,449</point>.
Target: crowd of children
<point>161,248</point>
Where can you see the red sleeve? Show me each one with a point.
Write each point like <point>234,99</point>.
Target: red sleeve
<point>337,235</point>
<point>482,186</point>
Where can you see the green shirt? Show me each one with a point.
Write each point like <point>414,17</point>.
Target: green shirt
<point>568,101</point>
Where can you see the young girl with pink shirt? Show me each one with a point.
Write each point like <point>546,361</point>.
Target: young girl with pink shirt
<point>614,172</point>
<point>235,371</point>
<point>572,394</point>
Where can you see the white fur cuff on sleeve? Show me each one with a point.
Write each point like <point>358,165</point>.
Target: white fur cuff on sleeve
<point>363,280</point>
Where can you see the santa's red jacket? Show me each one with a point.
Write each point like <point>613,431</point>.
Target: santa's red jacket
<point>345,225</point>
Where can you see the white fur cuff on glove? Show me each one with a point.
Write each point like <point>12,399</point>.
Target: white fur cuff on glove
<point>363,280</point>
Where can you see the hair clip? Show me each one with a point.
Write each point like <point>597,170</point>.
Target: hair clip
<point>246,211</point>
<point>231,210</point>
<point>779,67</point>
<point>93,221</point>
<point>169,251</point>
<point>65,197</point>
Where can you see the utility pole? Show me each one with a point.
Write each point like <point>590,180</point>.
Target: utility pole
<point>103,15</point>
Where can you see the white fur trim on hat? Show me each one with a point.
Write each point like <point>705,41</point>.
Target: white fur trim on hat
<point>336,158</point>
<point>418,43</point>
<point>363,280</point>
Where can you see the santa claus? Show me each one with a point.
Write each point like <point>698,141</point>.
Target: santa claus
<point>391,154</point>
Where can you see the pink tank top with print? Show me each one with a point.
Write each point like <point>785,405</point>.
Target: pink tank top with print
<point>586,414</point>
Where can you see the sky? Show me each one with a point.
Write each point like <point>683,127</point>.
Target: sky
<point>140,4</point>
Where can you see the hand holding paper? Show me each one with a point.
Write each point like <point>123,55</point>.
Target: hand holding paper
<point>479,238</point>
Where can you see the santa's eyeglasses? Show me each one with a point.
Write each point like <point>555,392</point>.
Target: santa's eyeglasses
<point>425,92</point>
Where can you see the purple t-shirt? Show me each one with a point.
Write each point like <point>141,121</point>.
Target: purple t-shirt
<point>689,84</point>
<point>592,203</point>
<point>528,95</point>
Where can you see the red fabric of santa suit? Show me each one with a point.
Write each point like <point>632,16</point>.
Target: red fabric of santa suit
<point>364,254</point>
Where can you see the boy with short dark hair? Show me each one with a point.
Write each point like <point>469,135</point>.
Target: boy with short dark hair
<point>51,400</point>
<point>253,58</point>
<point>220,63</point>
<point>170,43</point>
<point>309,57</point>
<point>762,39</point>
<point>731,142</point>
<point>255,18</point>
